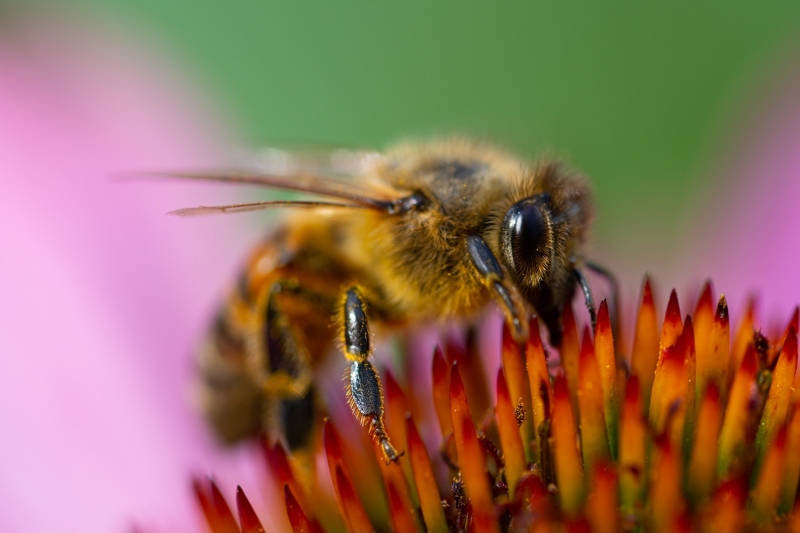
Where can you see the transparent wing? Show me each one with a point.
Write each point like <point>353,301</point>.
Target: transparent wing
<point>315,171</point>
<point>256,206</point>
<point>323,161</point>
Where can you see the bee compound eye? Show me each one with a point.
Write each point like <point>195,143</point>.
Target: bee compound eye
<point>526,237</point>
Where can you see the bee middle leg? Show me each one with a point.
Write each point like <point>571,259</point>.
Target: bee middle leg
<point>364,392</point>
<point>280,363</point>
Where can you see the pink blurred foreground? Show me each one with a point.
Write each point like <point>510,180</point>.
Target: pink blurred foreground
<point>746,235</point>
<point>102,294</point>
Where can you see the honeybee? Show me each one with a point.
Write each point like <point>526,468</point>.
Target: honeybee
<point>423,232</point>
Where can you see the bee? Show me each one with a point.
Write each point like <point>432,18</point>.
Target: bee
<point>424,232</point>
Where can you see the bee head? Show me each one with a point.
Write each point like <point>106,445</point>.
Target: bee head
<point>526,239</point>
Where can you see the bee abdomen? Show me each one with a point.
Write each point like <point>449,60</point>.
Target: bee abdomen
<point>232,403</point>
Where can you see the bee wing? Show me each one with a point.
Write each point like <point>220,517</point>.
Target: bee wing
<point>256,206</point>
<point>323,161</point>
<point>354,193</point>
<point>316,171</point>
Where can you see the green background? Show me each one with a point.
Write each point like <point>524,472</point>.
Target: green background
<point>634,94</point>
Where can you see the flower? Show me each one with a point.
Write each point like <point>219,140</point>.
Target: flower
<point>91,309</point>
<point>693,431</point>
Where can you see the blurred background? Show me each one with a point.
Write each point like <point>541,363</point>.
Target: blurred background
<point>684,116</point>
<point>640,98</point>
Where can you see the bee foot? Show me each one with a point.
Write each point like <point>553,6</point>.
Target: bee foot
<point>379,434</point>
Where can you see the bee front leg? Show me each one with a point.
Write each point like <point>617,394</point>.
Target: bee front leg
<point>587,296</point>
<point>364,392</point>
<point>614,286</point>
<point>491,275</point>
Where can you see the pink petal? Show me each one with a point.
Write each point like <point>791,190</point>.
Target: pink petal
<point>103,297</point>
<point>748,236</point>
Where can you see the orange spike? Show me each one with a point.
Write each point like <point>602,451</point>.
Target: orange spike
<point>577,525</point>
<point>538,381</point>
<point>606,362</point>
<point>703,324</point>
<point>543,525</point>
<point>732,436</point>
<point>794,324</point>
<point>297,518</point>
<point>429,497</point>
<point>395,480</point>
<point>203,498</point>
<point>665,487</point>
<point>333,452</point>
<point>703,465</point>
<point>215,509</point>
<point>247,516</point>
<point>645,344</point>
<point>397,408</point>
<point>514,368</point>
<point>770,479</point>
<point>672,326</point>
<point>594,440</point>
<point>794,519</point>
<point>632,448</point>
<point>473,374</point>
<point>780,394</point>
<point>396,411</point>
<point>355,516</point>
<point>719,350</point>
<point>533,496</point>
<point>795,401</point>
<point>333,448</point>
<point>569,475</point>
<point>359,465</point>
<point>725,511</point>
<point>570,353</point>
<point>602,508</point>
<point>744,336</point>
<point>690,363</point>
<point>402,515</point>
<point>682,524</point>
<point>510,440</point>
<point>470,456</point>
<point>441,392</point>
<point>278,463</point>
<point>670,388</point>
<point>792,466</point>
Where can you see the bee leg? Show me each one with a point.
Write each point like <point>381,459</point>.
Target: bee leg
<point>587,294</point>
<point>364,392</point>
<point>505,294</point>
<point>278,362</point>
<point>280,365</point>
<point>298,418</point>
<point>612,281</point>
<point>551,318</point>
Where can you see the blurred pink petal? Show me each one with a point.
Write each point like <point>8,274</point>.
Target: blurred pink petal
<point>746,236</point>
<point>103,297</point>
